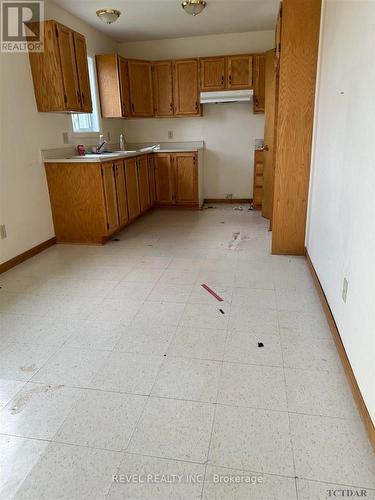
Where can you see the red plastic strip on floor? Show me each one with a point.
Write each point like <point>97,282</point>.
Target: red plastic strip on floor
<point>217,297</point>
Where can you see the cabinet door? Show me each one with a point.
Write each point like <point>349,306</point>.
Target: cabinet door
<point>213,73</point>
<point>186,178</point>
<point>151,179</point>
<point>258,178</point>
<point>240,72</point>
<point>164,179</point>
<point>107,71</point>
<point>131,178</point>
<point>109,186</point>
<point>122,199</point>
<point>72,93</point>
<point>83,72</point>
<point>186,85</point>
<point>140,85</point>
<point>144,188</point>
<point>259,78</point>
<point>124,86</point>
<point>163,88</point>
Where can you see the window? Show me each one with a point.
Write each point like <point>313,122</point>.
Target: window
<point>88,122</point>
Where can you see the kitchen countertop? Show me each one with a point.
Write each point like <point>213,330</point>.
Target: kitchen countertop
<point>68,155</point>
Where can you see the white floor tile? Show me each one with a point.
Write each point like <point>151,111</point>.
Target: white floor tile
<point>130,291</point>
<point>175,429</point>
<point>125,372</point>
<point>253,348</point>
<point>332,450</point>
<point>102,420</point>
<point>313,490</point>
<point>191,379</point>
<point>310,354</point>
<point>200,295</point>
<point>253,386</point>
<point>22,361</point>
<point>253,299</point>
<point>117,311</point>
<point>71,472</point>
<point>183,479</point>
<point>95,335</point>
<point>159,314</point>
<point>298,300</point>
<point>250,439</point>
<point>206,316</point>
<point>302,325</point>
<point>198,343</point>
<point>8,389</point>
<point>145,339</point>
<point>253,320</point>
<point>163,292</point>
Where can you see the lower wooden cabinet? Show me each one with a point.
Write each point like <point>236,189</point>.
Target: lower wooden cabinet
<point>131,176</point>
<point>122,196</point>
<point>151,179</point>
<point>143,184</point>
<point>258,178</point>
<point>176,179</point>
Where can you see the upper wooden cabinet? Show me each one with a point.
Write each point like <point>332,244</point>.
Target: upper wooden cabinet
<point>186,87</point>
<point>140,87</point>
<point>60,72</point>
<point>259,81</point>
<point>163,88</point>
<point>112,73</point>
<point>213,73</point>
<point>240,74</point>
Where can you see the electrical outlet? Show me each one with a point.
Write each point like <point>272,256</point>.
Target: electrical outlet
<point>229,196</point>
<point>170,134</point>
<point>345,290</point>
<point>3,231</point>
<point>65,136</point>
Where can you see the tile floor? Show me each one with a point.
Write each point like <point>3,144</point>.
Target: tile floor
<point>116,365</point>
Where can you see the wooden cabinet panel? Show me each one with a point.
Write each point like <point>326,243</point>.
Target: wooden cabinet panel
<point>259,80</point>
<point>151,179</point>
<point>110,196</point>
<point>186,87</point>
<point>143,184</point>
<point>72,95</point>
<point>258,178</point>
<point>140,87</point>
<point>132,190</point>
<point>83,72</point>
<point>186,178</point>
<point>240,72</point>
<point>124,86</point>
<point>164,179</point>
<point>163,88</point>
<point>107,68</point>
<point>212,73</point>
<point>122,199</point>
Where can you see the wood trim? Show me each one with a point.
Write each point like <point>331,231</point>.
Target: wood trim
<point>5,266</point>
<point>232,201</point>
<point>369,425</point>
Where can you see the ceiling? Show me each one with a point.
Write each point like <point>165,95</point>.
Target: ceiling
<point>159,19</point>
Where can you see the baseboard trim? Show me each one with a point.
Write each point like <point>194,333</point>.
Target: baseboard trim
<point>230,201</point>
<point>369,425</point>
<point>5,266</point>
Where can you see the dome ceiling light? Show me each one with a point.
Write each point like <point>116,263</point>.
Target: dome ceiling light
<point>108,16</point>
<point>193,7</point>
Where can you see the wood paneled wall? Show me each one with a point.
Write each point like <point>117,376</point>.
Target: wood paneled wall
<point>300,26</point>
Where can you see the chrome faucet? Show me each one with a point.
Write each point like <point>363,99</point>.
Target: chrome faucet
<point>102,144</point>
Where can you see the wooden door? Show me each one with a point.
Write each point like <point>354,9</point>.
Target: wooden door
<point>269,135</point>
<point>278,38</point>
<point>240,72</point>
<point>124,86</point>
<point>213,73</point>
<point>72,95</point>
<point>144,187</point>
<point>164,179</point>
<point>109,187</point>
<point>140,86</point>
<point>186,87</point>
<point>132,191</point>
<point>151,179</point>
<point>186,178</point>
<point>258,178</point>
<point>259,79</point>
<point>122,199</point>
<point>83,72</point>
<point>163,88</point>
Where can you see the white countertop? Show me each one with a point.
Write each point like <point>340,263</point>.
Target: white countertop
<point>66,155</point>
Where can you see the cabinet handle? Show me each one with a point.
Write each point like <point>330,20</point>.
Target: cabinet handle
<point>79,96</point>
<point>196,105</point>
<point>230,78</point>
<point>83,97</point>
<point>171,106</point>
<point>222,79</point>
<point>133,107</point>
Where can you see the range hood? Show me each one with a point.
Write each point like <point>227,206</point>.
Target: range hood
<point>226,96</point>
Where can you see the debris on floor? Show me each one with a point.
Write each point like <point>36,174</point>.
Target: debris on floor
<point>251,207</point>
<point>116,239</point>
<point>222,312</point>
<point>206,207</point>
<point>22,400</point>
<point>234,241</point>
<point>209,290</point>
<point>260,344</point>
<point>30,368</point>
<point>239,209</point>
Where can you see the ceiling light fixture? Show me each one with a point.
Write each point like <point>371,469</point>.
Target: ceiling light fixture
<point>193,7</point>
<point>108,16</point>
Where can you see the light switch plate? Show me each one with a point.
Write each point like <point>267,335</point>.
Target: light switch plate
<point>170,134</point>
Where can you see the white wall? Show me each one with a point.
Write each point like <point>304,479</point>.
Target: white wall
<point>229,130</point>
<point>341,230</point>
<point>24,201</point>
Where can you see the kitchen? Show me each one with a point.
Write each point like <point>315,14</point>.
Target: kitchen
<point>169,306</point>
